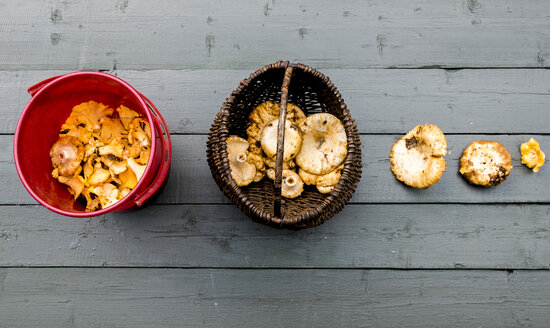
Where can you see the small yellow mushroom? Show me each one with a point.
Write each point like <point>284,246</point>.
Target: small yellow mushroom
<point>89,114</point>
<point>111,128</point>
<point>531,155</point>
<point>107,194</point>
<point>138,169</point>
<point>115,148</point>
<point>99,176</point>
<point>75,184</point>
<point>128,179</point>
<point>126,116</point>
<point>140,132</point>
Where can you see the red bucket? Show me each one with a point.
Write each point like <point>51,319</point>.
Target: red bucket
<point>38,128</point>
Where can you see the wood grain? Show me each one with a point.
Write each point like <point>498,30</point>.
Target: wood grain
<point>272,298</point>
<point>78,34</point>
<point>362,236</point>
<point>381,100</point>
<point>191,181</point>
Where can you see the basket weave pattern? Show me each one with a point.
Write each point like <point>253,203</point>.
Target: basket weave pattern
<point>313,92</point>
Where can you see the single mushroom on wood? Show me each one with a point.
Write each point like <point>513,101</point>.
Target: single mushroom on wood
<point>417,158</point>
<point>531,155</point>
<point>243,170</point>
<point>485,163</point>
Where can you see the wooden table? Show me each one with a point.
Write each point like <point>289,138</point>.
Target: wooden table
<point>451,255</point>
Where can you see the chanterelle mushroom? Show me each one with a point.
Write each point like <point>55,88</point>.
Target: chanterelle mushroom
<point>417,158</point>
<point>292,143</point>
<point>138,169</point>
<point>531,155</point>
<point>89,114</point>
<point>324,144</point>
<point>291,185</point>
<point>66,154</point>
<point>243,171</point>
<point>485,163</point>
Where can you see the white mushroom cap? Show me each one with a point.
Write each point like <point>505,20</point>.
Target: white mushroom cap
<point>324,144</point>
<point>416,159</point>
<point>243,171</point>
<point>265,113</point>
<point>291,186</point>
<point>292,144</point>
<point>485,163</point>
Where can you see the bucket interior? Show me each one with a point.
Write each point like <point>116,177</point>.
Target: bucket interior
<point>40,124</point>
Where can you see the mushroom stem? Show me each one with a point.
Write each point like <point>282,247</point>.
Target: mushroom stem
<point>290,181</point>
<point>241,157</point>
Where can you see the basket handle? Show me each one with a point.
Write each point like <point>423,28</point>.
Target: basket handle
<point>281,142</point>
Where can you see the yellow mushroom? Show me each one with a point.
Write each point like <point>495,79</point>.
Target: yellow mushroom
<point>66,154</point>
<point>111,128</point>
<point>126,116</point>
<point>75,184</point>
<point>531,155</point>
<point>136,168</point>
<point>99,176</point>
<point>114,148</point>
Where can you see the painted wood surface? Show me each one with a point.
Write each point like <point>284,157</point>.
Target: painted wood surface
<point>219,236</point>
<point>497,101</point>
<point>191,181</point>
<point>272,298</point>
<point>452,255</point>
<point>131,34</point>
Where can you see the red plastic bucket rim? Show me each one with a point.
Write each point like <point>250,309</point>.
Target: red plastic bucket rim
<point>42,87</point>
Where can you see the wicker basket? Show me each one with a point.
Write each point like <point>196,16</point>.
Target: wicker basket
<point>313,92</point>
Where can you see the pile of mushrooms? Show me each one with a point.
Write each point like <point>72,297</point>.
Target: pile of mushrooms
<point>101,154</point>
<point>314,149</point>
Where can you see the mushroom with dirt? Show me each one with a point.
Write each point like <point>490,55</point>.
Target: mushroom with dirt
<point>243,171</point>
<point>265,113</point>
<point>417,158</point>
<point>324,144</point>
<point>292,140</point>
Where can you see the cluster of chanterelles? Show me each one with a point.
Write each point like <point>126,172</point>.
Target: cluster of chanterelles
<point>101,153</point>
<point>316,145</point>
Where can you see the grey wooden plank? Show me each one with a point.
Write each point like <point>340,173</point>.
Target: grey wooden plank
<point>362,236</point>
<point>219,34</point>
<point>272,298</point>
<point>191,180</point>
<point>381,100</point>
